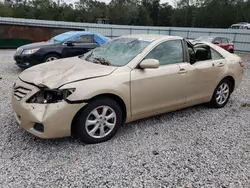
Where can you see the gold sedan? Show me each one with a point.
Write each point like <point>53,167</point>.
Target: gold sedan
<point>129,78</point>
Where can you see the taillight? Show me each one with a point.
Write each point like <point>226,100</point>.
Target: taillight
<point>241,63</point>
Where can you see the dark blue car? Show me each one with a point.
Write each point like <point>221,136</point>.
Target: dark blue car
<point>68,44</point>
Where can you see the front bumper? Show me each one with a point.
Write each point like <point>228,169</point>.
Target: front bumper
<point>26,61</point>
<point>56,118</point>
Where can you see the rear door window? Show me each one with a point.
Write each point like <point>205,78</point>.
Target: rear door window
<point>88,39</point>
<point>224,40</point>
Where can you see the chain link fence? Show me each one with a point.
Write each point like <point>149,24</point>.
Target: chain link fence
<point>240,38</point>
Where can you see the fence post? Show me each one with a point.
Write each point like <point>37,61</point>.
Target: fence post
<point>188,34</point>
<point>169,31</point>
<point>111,32</point>
<point>148,31</point>
<point>130,30</point>
<point>234,37</point>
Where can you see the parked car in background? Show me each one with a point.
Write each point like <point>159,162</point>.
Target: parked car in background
<point>68,44</point>
<point>131,77</point>
<point>223,42</point>
<point>241,25</point>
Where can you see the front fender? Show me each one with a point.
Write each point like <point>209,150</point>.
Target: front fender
<point>52,50</point>
<point>118,84</point>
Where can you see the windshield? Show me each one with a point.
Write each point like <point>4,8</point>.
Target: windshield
<point>208,39</point>
<point>117,52</point>
<point>53,41</point>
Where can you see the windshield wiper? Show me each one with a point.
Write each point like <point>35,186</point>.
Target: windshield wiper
<point>101,60</point>
<point>133,41</point>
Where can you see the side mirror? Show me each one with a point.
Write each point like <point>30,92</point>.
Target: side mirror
<point>150,64</point>
<point>69,43</point>
<point>217,42</point>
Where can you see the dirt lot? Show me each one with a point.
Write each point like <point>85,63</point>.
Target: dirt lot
<point>194,147</point>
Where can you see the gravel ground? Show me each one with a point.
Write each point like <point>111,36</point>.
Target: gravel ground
<point>194,147</point>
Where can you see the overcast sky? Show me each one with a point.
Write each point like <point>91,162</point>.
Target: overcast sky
<point>107,1</point>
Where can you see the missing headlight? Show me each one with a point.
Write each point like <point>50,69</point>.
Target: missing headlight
<point>46,96</point>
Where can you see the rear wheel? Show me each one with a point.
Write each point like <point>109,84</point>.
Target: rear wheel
<point>98,121</point>
<point>51,57</point>
<point>221,94</point>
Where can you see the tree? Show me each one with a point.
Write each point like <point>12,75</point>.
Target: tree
<point>153,8</point>
<point>186,13</point>
<point>143,17</point>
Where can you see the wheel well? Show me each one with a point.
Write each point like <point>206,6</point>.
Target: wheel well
<point>231,80</point>
<point>116,98</point>
<point>52,53</point>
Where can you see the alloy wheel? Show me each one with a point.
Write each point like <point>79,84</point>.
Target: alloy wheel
<point>51,59</point>
<point>222,93</point>
<point>100,122</point>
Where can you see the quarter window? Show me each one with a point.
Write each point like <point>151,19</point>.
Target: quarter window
<point>215,55</point>
<point>169,52</point>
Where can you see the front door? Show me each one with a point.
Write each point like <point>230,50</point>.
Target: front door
<point>162,88</point>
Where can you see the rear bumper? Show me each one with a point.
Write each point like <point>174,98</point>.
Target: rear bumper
<point>239,72</point>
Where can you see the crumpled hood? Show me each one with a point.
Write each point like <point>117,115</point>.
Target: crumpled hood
<point>57,73</point>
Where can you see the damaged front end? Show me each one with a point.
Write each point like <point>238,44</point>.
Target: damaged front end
<point>48,96</point>
<point>42,111</point>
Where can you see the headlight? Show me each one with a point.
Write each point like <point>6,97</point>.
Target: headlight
<point>46,96</point>
<point>26,52</point>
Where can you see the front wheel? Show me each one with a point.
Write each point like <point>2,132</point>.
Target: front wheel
<point>51,57</point>
<point>98,121</point>
<point>221,94</point>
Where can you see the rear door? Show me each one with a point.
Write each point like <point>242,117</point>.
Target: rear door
<point>204,76</point>
<point>80,45</point>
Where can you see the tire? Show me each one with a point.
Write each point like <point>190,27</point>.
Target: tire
<point>86,121</point>
<point>219,102</point>
<point>231,51</point>
<point>51,57</point>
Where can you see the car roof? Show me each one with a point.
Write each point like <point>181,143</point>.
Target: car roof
<point>212,37</point>
<point>206,36</point>
<point>151,36</point>
<point>243,23</point>
<point>100,39</point>
<point>78,32</point>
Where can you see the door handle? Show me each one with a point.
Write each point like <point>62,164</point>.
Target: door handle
<point>221,64</point>
<point>182,71</point>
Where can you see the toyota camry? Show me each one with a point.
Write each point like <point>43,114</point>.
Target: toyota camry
<point>129,78</point>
